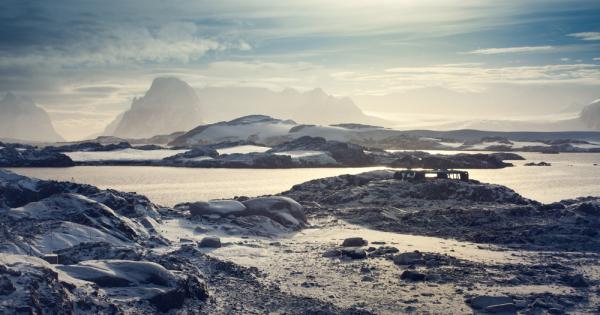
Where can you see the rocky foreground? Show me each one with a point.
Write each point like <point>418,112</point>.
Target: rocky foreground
<point>362,244</point>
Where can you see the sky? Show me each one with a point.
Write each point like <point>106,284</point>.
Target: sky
<point>84,61</point>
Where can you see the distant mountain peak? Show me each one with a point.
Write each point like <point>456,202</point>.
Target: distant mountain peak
<point>22,119</point>
<point>169,105</point>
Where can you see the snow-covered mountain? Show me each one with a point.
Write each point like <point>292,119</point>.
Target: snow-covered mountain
<point>22,119</point>
<point>267,130</point>
<point>169,105</point>
<point>310,107</point>
<point>590,115</point>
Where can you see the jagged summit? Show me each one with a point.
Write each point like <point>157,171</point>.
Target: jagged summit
<point>169,105</point>
<point>22,119</point>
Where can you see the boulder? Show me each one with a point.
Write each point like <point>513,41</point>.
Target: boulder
<point>576,281</point>
<point>283,210</point>
<point>410,258</point>
<point>220,207</point>
<point>484,301</point>
<point>210,242</point>
<point>354,253</point>
<point>506,308</point>
<point>354,241</point>
<point>411,275</point>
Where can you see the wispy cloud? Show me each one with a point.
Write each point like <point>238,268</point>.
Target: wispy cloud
<point>509,50</point>
<point>586,35</point>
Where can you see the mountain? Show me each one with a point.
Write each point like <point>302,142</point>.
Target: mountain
<point>169,105</point>
<point>588,119</point>
<point>22,119</point>
<point>270,131</point>
<point>310,107</point>
<point>590,115</point>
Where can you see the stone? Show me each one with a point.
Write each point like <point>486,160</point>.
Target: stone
<point>484,301</point>
<point>412,276</point>
<point>506,308</point>
<point>354,242</point>
<point>210,242</point>
<point>410,258</point>
<point>354,253</point>
<point>576,281</point>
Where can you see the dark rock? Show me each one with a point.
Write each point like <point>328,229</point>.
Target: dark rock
<point>412,275</point>
<point>354,241</point>
<point>11,157</point>
<point>346,154</point>
<point>331,253</point>
<point>506,308</point>
<point>283,210</point>
<point>410,258</point>
<point>6,286</point>
<point>354,253</point>
<point>210,242</point>
<point>484,301</point>
<point>537,164</point>
<point>576,281</point>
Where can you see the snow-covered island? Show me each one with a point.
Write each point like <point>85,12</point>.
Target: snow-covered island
<point>371,243</point>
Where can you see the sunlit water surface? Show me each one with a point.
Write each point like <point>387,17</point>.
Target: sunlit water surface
<point>571,175</point>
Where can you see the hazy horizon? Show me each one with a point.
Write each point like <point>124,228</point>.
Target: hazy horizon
<point>418,63</point>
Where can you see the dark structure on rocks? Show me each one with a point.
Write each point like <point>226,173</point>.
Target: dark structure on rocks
<point>436,174</point>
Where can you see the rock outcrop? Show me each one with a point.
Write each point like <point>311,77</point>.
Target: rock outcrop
<point>17,157</point>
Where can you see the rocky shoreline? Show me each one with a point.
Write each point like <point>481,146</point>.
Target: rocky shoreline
<point>351,244</point>
<point>303,152</point>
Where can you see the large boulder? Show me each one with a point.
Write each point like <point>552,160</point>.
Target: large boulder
<point>283,210</point>
<point>219,207</point>
<point>210,242</point>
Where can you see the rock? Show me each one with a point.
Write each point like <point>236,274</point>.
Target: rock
<point>506,308</point>
<point>194,153</point>
<point>384,250</point>
<point>171,299</point>
<point>330,253</point>
<point>219,207</point>
<point>412,276</point>
<point>11,157</point>
<point>537,164</point>
<point>210,242</point>
<point>461,160</point>
<point>354,253</point>
<point>576,281</point>
<point>283,210</point>
<point>354,241</point>
<point>6,286</point>
<point>484,301</point>
<point>410,258</point>
<point>345,154</point>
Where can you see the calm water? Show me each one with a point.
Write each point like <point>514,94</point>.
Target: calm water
<point>571,175</point>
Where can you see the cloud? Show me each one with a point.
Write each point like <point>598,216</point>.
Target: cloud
<point>474,78</point>
<point>509,50</point>
<point>586,35</point>
<point>171,43</point>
